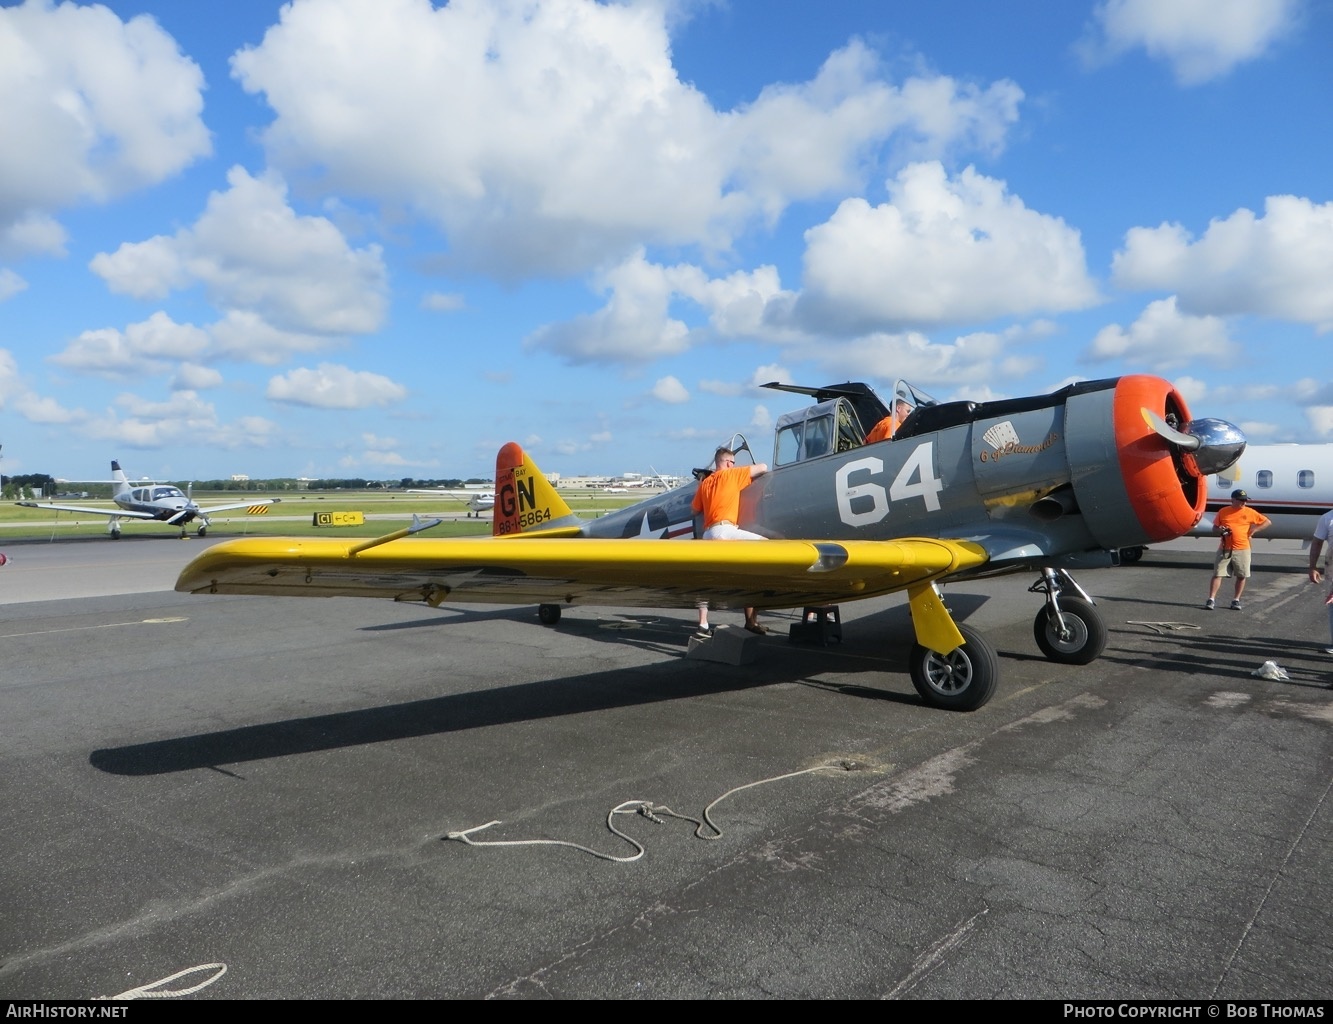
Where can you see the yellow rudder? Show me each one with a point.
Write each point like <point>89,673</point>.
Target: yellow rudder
<point>525,501</point>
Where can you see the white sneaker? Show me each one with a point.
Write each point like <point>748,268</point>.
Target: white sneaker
<point>1209,605</point>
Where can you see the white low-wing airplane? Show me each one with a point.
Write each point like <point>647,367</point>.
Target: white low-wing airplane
<point>1292,484</point>
<point>477,501</point>
<point>161,503</point>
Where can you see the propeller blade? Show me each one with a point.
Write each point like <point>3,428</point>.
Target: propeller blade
<point>1186,441</point>
<point>1207,446</point>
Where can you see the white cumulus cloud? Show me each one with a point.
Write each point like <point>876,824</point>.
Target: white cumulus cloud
<point>330,386</point>
<point>530,131</point>
<point>253,254</point>
<point>670,390</point>
<point>10,284</point>
<point>1164,338</point>
<point>941,251</point>
<point>147,347</point>
<point>1200,39</point>
<point>93,107</point>
<point>1276,265</point>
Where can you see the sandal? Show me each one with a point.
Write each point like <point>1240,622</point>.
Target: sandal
<point>754,627</point>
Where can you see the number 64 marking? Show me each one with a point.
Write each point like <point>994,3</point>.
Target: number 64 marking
<point>915,480</point>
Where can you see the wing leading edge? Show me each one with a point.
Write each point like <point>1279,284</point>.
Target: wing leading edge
<point>630,573</point>
<point>119,513</point>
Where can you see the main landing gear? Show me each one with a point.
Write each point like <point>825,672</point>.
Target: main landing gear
<point>962,680</point>
<point>1068,629</point>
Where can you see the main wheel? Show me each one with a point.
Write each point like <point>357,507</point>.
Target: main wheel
<point>548,614</point>
<point>1128,556</point>
<point>1083,638</point>
<point>203,531</point>
<point>962,680</point>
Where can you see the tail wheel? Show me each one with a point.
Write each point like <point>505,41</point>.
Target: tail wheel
<point>1082,639</point>
<point>962,680</point>
<point>548,614</point>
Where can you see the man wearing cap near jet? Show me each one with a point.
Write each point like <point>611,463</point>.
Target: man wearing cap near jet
<point>1235,525</point>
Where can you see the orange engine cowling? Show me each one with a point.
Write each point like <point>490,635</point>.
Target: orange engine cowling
<point>1132,465</point>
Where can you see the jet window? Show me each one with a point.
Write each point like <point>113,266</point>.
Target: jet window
<point>1263,478</point>
<point>1305,478</point>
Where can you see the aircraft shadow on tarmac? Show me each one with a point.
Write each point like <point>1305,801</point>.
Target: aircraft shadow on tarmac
<point>869,642</point>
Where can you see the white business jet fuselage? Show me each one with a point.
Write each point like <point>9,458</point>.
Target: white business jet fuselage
<point>1292,484</point>
<point>161,503</point>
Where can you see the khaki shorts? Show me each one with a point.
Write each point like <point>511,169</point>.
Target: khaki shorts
<point>1232,563</point>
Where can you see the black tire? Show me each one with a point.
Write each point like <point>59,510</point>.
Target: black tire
<point>1085,636</point>
<point>203,531</point>
<point>962,680</point>
<point>548,614</point>
<point>1128,556</point>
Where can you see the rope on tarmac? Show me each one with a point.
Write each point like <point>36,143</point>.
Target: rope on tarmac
<point>1164,628</point>
<point>653,812</point>
<point>152,991</point>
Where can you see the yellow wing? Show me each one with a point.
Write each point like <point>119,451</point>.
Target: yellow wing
<point>627,573</point>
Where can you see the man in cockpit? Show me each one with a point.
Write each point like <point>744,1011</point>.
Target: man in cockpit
<point>886,427</point>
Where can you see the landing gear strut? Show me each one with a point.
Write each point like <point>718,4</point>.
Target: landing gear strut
<point>1068,630</point>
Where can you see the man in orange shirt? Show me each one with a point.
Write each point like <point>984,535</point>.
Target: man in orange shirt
<point>1235,525</point>
<point>719,500</point>
<point>889,425</point>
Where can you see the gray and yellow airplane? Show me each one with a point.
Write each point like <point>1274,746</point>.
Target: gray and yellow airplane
<point>1045,484</point>
<point>162,503</point>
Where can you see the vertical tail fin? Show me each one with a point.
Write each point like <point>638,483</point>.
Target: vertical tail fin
<point>525,501</point>
<point>119,480</point>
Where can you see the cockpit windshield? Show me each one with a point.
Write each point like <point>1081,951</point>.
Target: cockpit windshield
<point>165,493</point>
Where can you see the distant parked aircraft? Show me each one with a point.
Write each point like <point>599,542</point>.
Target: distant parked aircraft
<point>477,501</point>
<point>161,503</point>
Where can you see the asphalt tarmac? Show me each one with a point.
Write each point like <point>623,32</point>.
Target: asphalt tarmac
<point>272,783</point>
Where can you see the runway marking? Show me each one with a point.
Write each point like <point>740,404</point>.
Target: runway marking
<point>1277,875</point>
<point>1314,712</point>
<point>105,625</point>
<point>936,955</point>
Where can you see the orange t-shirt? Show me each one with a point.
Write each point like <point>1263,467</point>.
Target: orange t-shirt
<point>885,428</point>
<point>719,495</point>
<point>1242,522</point>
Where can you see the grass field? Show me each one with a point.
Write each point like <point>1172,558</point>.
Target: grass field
<point>293,517</point>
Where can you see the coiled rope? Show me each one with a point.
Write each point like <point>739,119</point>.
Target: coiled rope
<point>653,812</point>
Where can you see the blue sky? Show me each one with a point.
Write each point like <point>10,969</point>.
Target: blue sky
<point>380,238</point>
